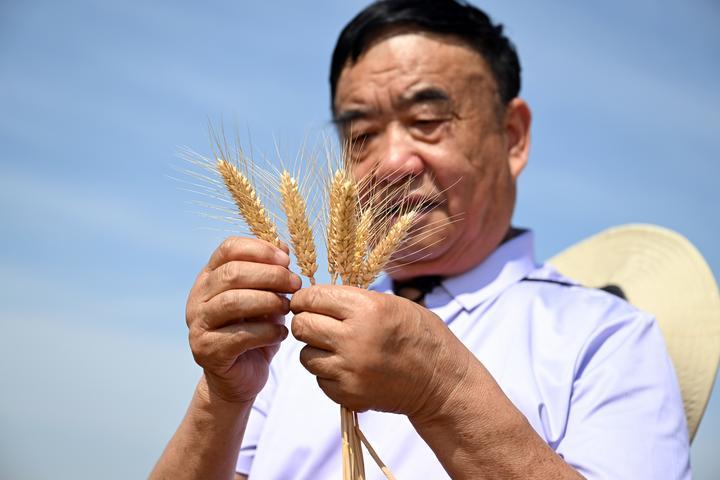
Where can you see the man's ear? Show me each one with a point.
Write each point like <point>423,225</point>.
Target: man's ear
<point>517,130</point>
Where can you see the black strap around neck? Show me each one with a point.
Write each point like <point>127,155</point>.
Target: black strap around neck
<point>611,289</point>
<point>415,289</point>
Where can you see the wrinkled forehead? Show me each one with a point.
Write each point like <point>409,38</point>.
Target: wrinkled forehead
<point>399,58</point>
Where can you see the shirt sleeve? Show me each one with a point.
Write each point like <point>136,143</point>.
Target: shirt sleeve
<point>626,416</point>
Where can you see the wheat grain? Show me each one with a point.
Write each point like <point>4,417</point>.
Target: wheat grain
<point>362,242</point>
<point>381,253</point>
<point>248,202</point>
<point>301,235</point>
<point>342,226</point>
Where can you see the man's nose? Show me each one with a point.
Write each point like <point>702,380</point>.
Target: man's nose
<point>399,157</point>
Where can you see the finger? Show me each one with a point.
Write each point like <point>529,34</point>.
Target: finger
<point>332,388</point>
<point>317,330</point>
<point>335,391</point>
<point>320,363</point>
<point>338,301</point>
<point>247,249</point>
<point>237,274</point>
<point>284,247</point>
<point>222,347</point>
<point>279,319</point>
<point>233,305</point>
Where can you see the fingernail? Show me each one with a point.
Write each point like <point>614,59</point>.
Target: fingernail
<point>282,257</point>
<point>295,282</point>
<point>283,332</point>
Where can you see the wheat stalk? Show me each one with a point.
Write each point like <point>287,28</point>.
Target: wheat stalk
<point>248,202</point>
<point>348,239</point>
<point>297,223</point>
<point>384,468</point>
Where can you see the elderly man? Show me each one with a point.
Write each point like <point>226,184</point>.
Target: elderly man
<point>499,368</point>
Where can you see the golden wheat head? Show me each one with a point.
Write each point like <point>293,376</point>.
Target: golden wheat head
<point>380,254</point>
<point>248,202</point>
<point>362,243</point>
<point>301,235</point>
<point>342,225</point>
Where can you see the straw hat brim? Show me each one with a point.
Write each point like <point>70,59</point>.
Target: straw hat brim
<point>662,273</point>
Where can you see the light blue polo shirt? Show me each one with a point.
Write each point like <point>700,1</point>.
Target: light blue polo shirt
<point>589,371</point>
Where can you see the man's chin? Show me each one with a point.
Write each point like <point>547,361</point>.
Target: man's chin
<point>428,240</point>
<point>415,255</point>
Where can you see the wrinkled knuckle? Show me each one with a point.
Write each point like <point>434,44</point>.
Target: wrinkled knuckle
<point>240,337</point>
<point>191,314</point>
<point>228,273</point>
<point>305,356</point>
<point>227,246</point>
<point>297,300</point>
<point>199,348</point>
<point>315,296</point>
<point>298,327</point>
<point>200,357</point>
<point>227,302</point>
<point>194,337</point>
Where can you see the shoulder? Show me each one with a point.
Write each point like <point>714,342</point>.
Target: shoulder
<point>564,299</point>
<point>586,320</point>
<point>592,338</point>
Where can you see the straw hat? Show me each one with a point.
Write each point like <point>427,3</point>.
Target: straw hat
<point>660,272</point>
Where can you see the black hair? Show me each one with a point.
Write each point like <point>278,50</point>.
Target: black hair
<point>446,17</point>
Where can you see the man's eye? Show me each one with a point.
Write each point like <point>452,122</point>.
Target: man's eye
<point>360,140</point>
<point>427,126</point>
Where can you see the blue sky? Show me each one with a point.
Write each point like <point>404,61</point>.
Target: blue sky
<point>100,246</point>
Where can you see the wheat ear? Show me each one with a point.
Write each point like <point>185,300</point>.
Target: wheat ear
<point>301,236</point>
<point>248,202</point>
<point>342,226</point>
<point>380,254</point>
<point>362,241</point>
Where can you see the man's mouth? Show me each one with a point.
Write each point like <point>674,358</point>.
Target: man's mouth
<point>418,203</point>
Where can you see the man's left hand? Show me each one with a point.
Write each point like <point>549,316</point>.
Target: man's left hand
<point>373,351</point>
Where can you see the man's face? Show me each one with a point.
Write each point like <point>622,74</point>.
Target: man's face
<point>425,107</point>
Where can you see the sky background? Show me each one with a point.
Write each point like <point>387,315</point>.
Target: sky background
<point>99,246</point>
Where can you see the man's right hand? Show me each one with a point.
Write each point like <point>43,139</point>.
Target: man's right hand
<point>235,313</point>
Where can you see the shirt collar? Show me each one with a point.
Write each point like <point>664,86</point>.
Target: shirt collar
<point>512,261</point>
<point>509,263</point>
